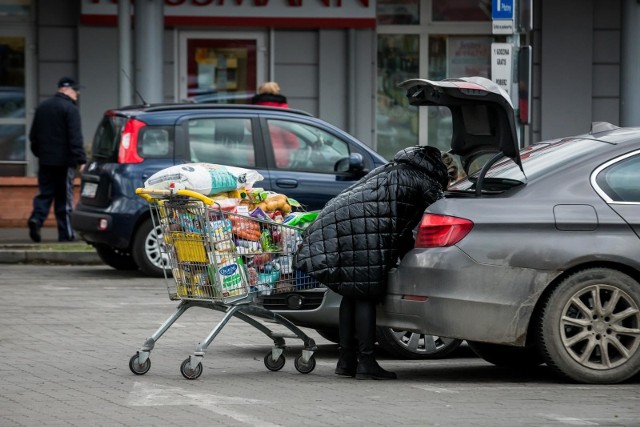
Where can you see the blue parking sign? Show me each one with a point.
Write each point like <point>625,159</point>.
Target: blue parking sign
<point>502,9</point>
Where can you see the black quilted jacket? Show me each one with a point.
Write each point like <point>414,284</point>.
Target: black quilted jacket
<point>360,234</point>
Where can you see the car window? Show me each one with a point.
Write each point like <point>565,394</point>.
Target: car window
<point>299,146</point>
<point>620,180</point>
<point>154,142</point>
<point>105,141</point>
<point>225,141</point>
<point>537,159</point>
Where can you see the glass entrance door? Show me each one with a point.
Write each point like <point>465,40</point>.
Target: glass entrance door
<point>221,68</point>
<point>13,120</point>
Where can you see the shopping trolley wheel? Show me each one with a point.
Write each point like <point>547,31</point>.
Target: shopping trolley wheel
<point>274,365</point>
<point>305,368</point>
<point>137,367</point>
<point>188,372</point>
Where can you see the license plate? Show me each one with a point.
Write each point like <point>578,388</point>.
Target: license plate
<point>89,189</point>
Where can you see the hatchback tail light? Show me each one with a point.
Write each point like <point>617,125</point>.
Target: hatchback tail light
<point>436,231</point>
<point>128,152</point>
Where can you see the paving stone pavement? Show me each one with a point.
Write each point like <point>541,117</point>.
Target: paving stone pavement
<point>67,333</point>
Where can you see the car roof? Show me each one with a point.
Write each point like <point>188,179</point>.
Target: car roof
<point>135,110</point>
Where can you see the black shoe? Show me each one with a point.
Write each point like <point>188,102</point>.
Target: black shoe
<point>368,369</point>
<point>34,231</point>
<point>347,363</point>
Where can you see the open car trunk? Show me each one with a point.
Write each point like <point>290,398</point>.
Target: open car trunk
<point>482,115</point>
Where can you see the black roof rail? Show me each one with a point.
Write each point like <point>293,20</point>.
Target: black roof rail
<point>203,106</point>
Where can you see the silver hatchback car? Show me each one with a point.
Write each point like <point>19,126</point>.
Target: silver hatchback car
<point>535,258</point>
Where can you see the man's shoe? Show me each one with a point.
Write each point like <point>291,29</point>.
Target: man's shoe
<point>368,369</point>
<point>347,363</point>
<point>34,231</point>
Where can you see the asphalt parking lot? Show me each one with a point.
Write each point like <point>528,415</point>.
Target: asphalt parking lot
<point>68,332</point>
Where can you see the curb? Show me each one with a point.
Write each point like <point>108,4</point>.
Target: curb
<point>18,256</point>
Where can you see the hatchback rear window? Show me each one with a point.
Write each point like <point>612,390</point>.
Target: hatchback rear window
<point>105,141</point>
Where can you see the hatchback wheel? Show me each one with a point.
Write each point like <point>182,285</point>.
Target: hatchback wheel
<point>120,260</point>
<point>412,345</point>
<point>146,250</point>
<point>589,327</point>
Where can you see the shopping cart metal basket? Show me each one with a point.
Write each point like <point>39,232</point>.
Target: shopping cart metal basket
<point>223,261</point>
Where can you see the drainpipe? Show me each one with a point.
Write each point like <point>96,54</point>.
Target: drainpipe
<point>149,29</point>
<point>351,81</point>
<point>630,64</point>
<point>125,82</point>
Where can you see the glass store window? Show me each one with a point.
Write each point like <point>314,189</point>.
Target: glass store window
<point>433,39</point>
<point>13,136</point>
<point>396,120</point>
<point>398,12</point>
<point>221,70</point>
<point>451,57</point>
<point>461,10</point>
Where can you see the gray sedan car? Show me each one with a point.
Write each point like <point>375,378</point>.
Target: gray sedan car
<point>535,258</point>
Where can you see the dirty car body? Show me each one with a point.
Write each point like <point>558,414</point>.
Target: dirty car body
<point>541,262</point>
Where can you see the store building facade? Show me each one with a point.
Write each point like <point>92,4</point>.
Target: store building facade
<point>340,60</point>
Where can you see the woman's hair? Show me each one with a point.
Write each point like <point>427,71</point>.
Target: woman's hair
<point>272,88</point>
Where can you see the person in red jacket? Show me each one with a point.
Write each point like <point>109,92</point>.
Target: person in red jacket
<point>269,95</point>
<point>284,142</point>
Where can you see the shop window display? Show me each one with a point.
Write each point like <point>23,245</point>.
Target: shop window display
<point>451,57</point>
<point>398,12</point>
<point>461,10</point>
<point>396,120</point>
<point>12,105</point>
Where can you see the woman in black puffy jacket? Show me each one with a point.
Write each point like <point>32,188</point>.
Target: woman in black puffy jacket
<point>359,236</point>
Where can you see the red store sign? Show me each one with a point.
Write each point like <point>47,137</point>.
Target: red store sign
<point>248,13</point>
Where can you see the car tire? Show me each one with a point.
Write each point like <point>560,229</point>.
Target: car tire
<point>330,334</point>
<point>411,345</point>
<point>506,356</point>
<point>146,251</point>
<point>120,260</point>
<point>589,327</point>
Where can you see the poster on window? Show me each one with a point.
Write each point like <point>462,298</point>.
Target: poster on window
<point>468,56</point>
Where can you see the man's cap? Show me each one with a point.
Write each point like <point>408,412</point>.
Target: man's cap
<point>69,82</point>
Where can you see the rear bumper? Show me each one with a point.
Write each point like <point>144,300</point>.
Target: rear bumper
<point>324,316</point>
<point>117,233</point>
<point>444,292</point>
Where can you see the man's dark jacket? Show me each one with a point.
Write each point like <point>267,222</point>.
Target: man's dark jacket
<point>360,234</point>
<point>56,133</point>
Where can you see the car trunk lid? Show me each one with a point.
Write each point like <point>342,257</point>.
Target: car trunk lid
<point>482,115</point>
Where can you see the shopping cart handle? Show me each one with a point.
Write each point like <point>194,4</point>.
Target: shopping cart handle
<point>148,194</point>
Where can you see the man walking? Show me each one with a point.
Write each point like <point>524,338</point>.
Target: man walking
<point>56,140</point>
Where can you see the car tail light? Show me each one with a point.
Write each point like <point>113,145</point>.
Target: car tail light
<point>128,152</point>
<point>436,231</point>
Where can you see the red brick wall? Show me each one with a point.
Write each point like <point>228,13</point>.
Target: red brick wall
<point>16,201</point>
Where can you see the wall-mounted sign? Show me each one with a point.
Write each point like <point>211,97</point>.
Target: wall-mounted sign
<point>502,65</point>
<point>502,14</point>
<point>248,13</point>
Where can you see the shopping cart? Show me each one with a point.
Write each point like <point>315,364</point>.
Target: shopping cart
<point>224,261</point>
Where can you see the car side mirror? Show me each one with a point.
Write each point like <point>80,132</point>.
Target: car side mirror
<point>353,164</point>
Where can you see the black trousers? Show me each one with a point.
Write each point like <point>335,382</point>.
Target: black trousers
<point>357,325</point>
<point>55,185</point>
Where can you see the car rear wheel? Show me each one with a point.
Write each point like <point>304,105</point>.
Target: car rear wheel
<point>146,250</point>
<point>589,327</point>
<point>120,260</point>
<point>507,356</point>
<point>412,345</point>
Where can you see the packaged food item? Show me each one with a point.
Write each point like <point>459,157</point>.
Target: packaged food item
<point>229,275</point>
<point>300,219</point>
<point>204,178</point>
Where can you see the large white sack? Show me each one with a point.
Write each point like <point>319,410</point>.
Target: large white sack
<point>203,178</point>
